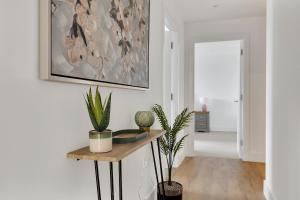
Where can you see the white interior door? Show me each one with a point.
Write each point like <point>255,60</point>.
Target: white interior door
<point>240,124</point>
<point>167,75</point>
<point>171,87</point>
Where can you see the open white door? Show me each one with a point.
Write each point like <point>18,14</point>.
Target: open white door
<point>171,87</point>
<point>166,73</point>
<point>240,125</point>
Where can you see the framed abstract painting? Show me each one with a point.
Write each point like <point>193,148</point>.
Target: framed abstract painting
<point>97,42</point>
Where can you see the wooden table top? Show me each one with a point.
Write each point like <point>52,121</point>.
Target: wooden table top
<point>118,152</point>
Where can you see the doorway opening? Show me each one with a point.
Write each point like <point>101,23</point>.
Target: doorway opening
<point>218,102</point>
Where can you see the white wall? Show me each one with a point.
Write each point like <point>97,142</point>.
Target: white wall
<point>283,97</point>
<point>253,31</point>
<point>42,121</point>
<point>217,79</point>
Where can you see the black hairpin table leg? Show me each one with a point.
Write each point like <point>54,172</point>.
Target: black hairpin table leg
<point>161,170</point>
<point>155,168</point>
<point>112,192</point>
<point>97,179</point>
<point>120,181</point>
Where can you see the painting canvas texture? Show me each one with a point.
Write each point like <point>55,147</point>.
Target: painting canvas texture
<point>101,40</point>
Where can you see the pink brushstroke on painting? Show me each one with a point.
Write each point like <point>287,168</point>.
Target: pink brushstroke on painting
<point>105,40</point>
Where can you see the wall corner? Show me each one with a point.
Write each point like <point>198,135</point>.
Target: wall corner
<point>267,191</point>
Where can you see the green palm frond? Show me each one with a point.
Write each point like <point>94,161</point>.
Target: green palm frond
<point>164,146</point>
<point>157,109</point>
<point>179,145</point>
<point>170,145</point>
<point>182,121</point>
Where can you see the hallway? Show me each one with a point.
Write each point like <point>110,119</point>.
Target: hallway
<point>206,178</point>
<point>216,144</point>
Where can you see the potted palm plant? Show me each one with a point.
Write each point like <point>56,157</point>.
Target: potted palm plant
<point>100,137</point>
<point>171,144</point>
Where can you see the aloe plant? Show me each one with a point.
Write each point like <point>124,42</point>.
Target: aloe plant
<point>99,113</point>
<point>170,142</point>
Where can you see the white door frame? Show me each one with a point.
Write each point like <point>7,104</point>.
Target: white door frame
<point>241,134</point>
<point>178,70</point>
<point>245,82</point>
<point>166,73</point>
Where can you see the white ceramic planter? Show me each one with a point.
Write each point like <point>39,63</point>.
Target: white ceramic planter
<point>100,142</point>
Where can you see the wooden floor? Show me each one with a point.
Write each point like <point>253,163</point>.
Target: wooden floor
<point>205,178</point>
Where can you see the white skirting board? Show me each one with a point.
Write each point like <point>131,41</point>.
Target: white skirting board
<point>254,157</point>
<point>267,192</point>
<point>151,196</point>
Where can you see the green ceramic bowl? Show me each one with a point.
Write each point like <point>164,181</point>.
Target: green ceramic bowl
<point>144,118</point>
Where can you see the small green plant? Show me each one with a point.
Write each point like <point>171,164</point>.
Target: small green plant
<point>170,143</point>
<point>99,113</point>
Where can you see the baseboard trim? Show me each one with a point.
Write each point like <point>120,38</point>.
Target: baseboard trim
<point>254,157</point>
<point>179,161</point>
<point>267,192</point>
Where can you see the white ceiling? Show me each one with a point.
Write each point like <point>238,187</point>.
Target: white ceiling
<point>205,10</point>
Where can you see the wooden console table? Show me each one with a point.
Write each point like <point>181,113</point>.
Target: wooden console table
<point>119,152</point>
